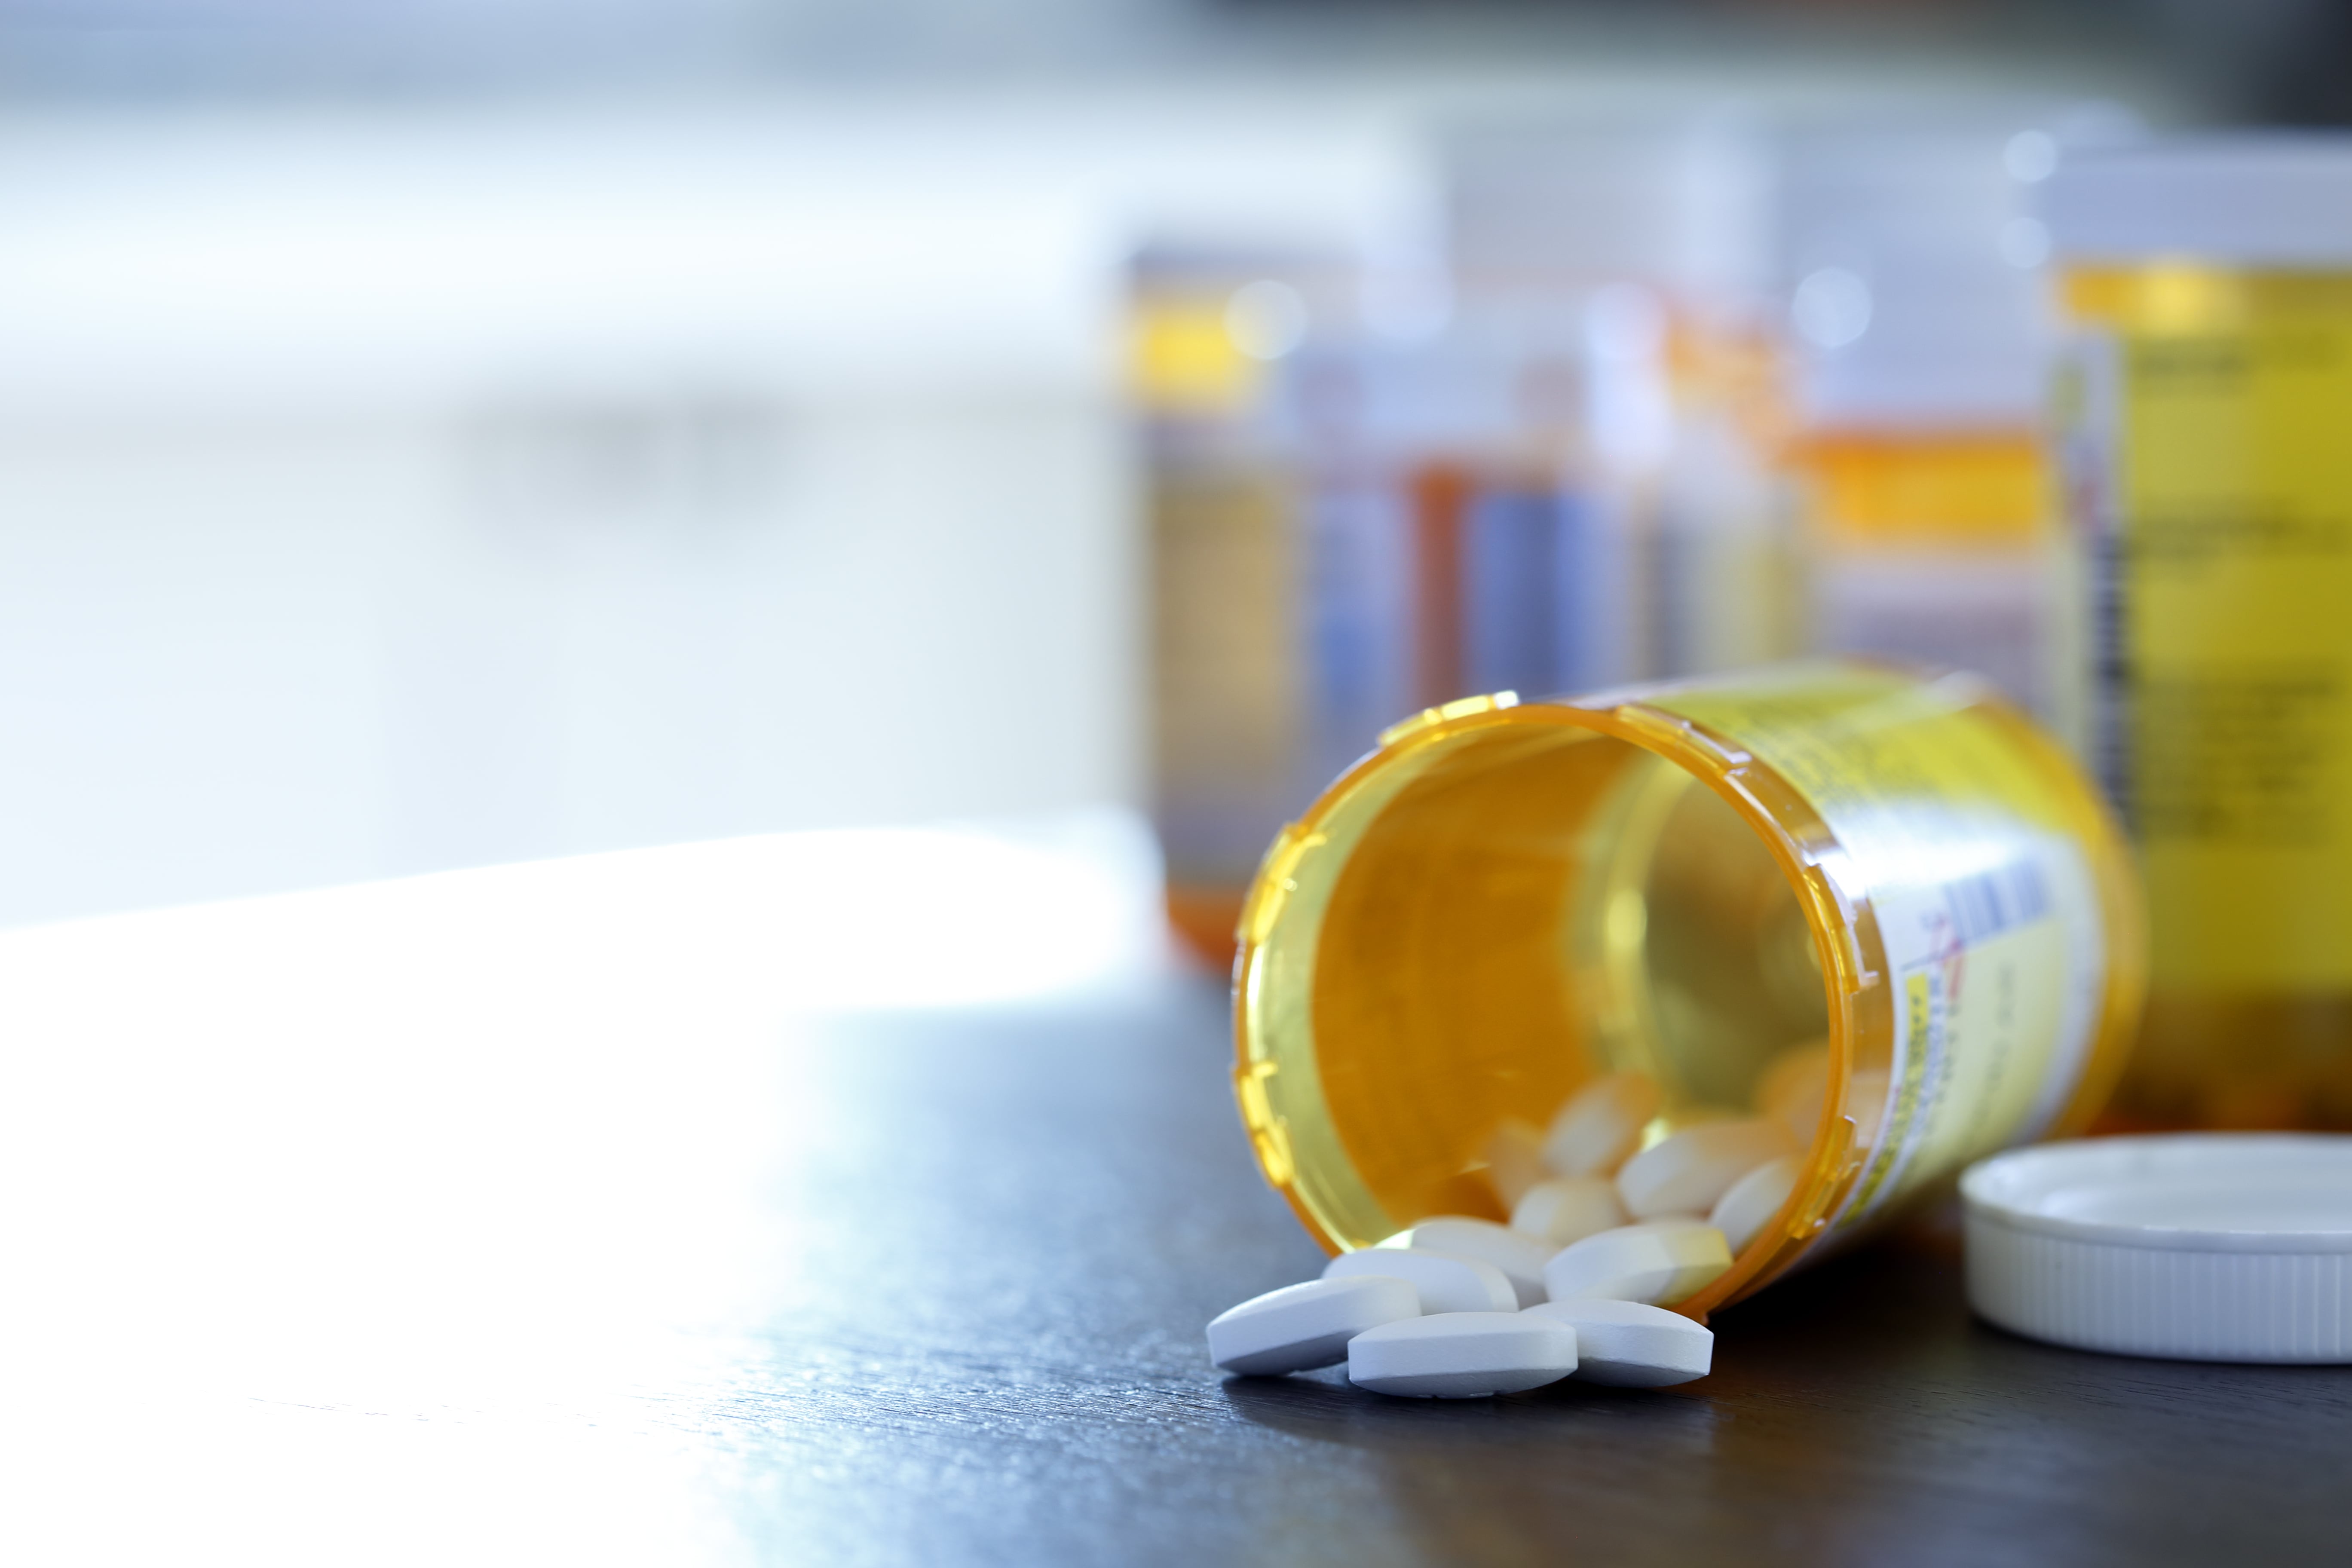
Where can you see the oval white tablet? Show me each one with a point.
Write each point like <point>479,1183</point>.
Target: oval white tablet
<point>1567,1209</point>
<point>1601,1125</point>
<point>1462,1355</point>
<point>1629,1344</point>
<point>1688,1171</point>
<point>1447,1282</point>
<point>1743,1211</point>
<point>1661,1263</point>
<point>1303,1326</point>
<point>1521,1259</point>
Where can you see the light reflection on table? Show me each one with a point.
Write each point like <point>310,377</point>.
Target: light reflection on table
<point>394,1222</point>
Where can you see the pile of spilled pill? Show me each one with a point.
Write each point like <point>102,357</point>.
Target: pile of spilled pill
<point>1605,1235</point>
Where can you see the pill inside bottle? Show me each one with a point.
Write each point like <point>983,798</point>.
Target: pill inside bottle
<point>1525,943</point>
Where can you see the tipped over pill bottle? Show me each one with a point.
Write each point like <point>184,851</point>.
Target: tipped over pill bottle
<point>1890,872</point>
<point>2205,419</point>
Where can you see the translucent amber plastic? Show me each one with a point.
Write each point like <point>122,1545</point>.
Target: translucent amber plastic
<point>1509,900</point>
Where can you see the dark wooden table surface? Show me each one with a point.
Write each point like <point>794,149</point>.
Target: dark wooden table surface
<point>547,1279</point>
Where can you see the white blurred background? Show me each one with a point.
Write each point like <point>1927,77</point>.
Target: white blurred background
<point>390,490</point>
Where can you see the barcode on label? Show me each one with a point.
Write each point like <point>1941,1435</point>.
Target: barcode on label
<point>1992,902</point>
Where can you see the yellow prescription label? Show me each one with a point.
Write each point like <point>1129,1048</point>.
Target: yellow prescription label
<point>1987,908</point>
<point>2208,442</point>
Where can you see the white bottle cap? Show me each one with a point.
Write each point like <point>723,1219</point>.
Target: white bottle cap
<point>2202,1246</point>
<point>2261,199</point>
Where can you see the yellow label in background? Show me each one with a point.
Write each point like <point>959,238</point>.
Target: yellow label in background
<point>2226,423</point>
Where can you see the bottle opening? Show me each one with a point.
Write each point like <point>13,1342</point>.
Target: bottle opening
<point>1485,918</point>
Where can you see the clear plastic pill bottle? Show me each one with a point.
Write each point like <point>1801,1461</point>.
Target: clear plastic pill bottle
<point>2205,408</point>
<point>1509,900</point>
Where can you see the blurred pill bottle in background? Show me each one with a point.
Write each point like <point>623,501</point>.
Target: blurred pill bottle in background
<point>1610,272</point>
<point>1521,536</point>
<point>1895,878</point>
<point>1920,340</point>
<point>1925,528</point>
<point>1289,409</point>
<point>1515,446</point>
<point>2205,430</point>
<point>1727,594</point>
<point>1210,329</point>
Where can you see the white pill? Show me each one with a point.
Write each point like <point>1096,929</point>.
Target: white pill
<point>1447,1281</point>
<point>1629,1344</point>
<point>1688,1171</point>
<point>1521,1259</point>
<point>1514,1160</point>
<point>1309,1325</point>
<point>1603,1124</point>
<point>1462,1355</point>
<point>1662,1262</point>
<point>1743,1211</point>
<point>1567,1208</point>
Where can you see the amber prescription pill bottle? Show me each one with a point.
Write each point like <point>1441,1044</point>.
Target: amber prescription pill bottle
<point>2205,425</point>
<point>1509,900</point>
